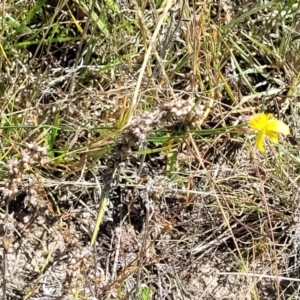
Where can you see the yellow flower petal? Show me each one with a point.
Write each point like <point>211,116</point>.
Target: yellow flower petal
<point>260,141</point>
<point>267,125</point>
<point>277,126</point>
<point>273,136</point>
<point>258,122</point>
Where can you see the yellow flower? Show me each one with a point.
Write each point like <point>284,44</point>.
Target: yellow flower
<point>269,126</point>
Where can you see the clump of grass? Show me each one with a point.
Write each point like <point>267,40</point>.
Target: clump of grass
<point>142,107</point>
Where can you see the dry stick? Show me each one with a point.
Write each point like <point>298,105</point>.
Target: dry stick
<point>260,276</point>
<point>117,253</point>
<point>147,55</point>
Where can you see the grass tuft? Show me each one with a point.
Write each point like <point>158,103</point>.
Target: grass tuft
<point>128,169</point>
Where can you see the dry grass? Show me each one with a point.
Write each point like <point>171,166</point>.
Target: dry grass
<point>152,187</point>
